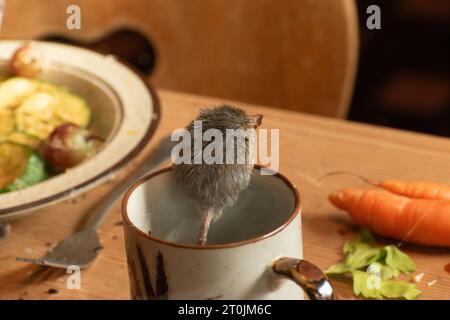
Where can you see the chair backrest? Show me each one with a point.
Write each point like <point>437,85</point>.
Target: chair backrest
<point>294,54</point>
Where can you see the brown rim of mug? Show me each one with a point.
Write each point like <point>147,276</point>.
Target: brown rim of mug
<point>128,222</point>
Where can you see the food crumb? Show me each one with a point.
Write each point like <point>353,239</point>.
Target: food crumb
<point>21,297</point>
<point>344,231</point>
<point>118,223</point>
<point>418,277</point>
<point>52,291</point>
<point>431,283</point>
<point>114,237</point>
<point>5,230</point>
<point>132,133</point>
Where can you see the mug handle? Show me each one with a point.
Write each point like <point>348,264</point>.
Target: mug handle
<point>309,277</point>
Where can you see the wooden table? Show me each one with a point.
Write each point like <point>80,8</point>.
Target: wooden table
<point>309,148</point>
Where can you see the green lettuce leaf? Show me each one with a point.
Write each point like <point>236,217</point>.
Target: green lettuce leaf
<point>363,239</point>
<point>396,259</point>
<point>34,173</point>
<point>367,285</point>
<point>374,287</point>
<point>399,289</point>
<point>363,256</point>
<point>385,272</point>
<point>360,257</point>
<point>373,269</point>
<point>338,268</point>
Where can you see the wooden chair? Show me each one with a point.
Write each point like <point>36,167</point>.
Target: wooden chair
<point>294,54</point>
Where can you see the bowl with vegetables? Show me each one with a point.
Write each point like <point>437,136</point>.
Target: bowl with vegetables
<point>69,119</point>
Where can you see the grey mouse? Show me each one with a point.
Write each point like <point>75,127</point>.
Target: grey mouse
<point>217,186</point>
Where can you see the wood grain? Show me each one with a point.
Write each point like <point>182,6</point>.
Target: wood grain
<point>289,54</point>
<point>310,147</point>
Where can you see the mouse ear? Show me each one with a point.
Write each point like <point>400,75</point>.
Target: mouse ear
<point>256,120</point>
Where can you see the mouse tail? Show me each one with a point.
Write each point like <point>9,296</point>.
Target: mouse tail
<point>208,215</point>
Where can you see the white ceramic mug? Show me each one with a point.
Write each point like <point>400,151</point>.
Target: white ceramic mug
<point>246,251</point>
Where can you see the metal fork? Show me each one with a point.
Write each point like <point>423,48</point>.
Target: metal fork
<point>81,248</point>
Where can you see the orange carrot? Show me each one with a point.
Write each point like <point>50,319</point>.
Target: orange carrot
<point>420,221</point>
<point>417,190</point>
<point>411,189</point>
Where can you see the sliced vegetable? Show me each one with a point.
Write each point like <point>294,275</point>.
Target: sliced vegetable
<point>30,110</point>
<point>6,121</point>
<point>19,167</point>
<point>22,139</point>
<point>13,161</point>
<point>42,112</point>
<point>33,174</point>
<point>35,115</point>
<point>72,109</point>
<point>48,87</point>
<point>14,90</point>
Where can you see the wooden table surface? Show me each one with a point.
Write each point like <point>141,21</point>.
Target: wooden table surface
<point>309,148</point>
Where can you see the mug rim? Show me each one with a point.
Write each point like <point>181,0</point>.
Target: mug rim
<point>295,211</point>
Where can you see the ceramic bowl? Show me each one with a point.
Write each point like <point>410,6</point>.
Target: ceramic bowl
<point>125,113</point>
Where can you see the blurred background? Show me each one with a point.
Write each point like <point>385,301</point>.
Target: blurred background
<point>314,56</point>
<point>403,74</point>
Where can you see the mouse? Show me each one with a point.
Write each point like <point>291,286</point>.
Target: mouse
<point>217,186</point>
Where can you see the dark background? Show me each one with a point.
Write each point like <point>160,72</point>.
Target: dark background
<point>403,76</point>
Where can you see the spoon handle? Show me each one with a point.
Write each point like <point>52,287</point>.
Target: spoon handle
<point>156,158</point>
